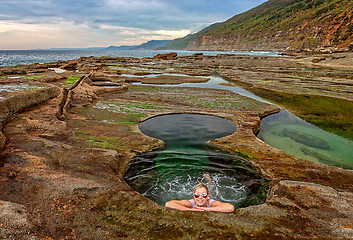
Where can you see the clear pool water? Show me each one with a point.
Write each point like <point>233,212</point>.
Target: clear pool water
<point>185,161</point>
<point>301,139</point>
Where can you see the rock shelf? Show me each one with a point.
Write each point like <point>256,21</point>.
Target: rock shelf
<point>66,149</point>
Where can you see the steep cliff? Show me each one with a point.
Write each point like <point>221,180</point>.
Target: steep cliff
<point>279,25</point>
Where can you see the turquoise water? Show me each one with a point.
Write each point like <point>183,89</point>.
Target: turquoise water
<point>172,173</point>
<point>298,138</point>
<point>290,133</point>
<point>214,83</point>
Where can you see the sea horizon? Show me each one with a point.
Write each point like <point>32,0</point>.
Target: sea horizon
<point>31,56</point>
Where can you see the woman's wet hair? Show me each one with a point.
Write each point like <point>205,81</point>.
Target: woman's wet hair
<point>201,185</point>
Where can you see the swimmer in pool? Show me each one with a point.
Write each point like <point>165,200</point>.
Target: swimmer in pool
<point>201,202</point>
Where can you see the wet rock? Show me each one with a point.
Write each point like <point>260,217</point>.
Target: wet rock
<point>12,105</point>
<point>98,77</point>
<point>70,66</point>
<point>54,128</point>
<point>25,99</point>
<point>166,56</point>
<point>318,59</point>
<point>53,78</point>
<point>327,208</point>
<point>166,79</point>
<point>12,71</point>
<point>106,84</point>
<point>44,165</point>
<point>80,94</point>
<point>83,95</point>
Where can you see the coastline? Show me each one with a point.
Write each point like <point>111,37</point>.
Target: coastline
<point>64,158</point>
<point>27,57</point>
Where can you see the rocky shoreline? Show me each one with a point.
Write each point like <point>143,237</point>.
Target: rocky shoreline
<point>65,149</point>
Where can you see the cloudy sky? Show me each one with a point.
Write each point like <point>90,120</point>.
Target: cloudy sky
<point>32,24</point>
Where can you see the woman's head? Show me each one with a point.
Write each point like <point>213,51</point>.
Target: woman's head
<point>201,194</point>
<point>201,185</point>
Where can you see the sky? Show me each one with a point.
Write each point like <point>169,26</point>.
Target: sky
<point>42,24</point>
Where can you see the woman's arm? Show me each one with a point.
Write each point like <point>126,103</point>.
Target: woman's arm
<point>217,206</point>
<point>182,205</point>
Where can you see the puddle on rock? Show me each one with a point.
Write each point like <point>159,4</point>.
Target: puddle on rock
<point>5,89</point>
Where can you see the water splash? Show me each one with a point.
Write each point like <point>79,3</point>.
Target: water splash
<point>173,172</point>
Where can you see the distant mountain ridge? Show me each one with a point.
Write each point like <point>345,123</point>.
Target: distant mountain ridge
<point>119,48</point>
<point>150,45</point>
<point>182,43</point>
<point>279,25</point>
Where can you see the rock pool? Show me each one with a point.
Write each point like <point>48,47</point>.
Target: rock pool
<point>185,161</point>
<point>274,128</point>
<point>5,89</point>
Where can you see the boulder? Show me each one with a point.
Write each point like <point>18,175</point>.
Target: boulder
<point>54,78</point>
<point>12,71</point>
<point>103,77</point>
<point>318,59</point>
<point>166,56</point>
<point>70,66</point>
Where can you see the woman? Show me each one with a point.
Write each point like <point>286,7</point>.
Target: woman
<point>201,202</point>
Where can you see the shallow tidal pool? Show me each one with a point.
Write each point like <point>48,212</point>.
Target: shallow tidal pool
<point>5,89</point>
<point>301,139</point>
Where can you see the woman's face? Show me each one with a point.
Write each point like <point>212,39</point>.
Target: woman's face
<point>201,197</point>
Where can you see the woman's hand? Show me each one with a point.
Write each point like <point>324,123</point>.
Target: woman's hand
<point>198,209</point>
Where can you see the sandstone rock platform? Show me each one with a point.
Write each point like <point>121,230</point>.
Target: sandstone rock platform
<point>64,157</point>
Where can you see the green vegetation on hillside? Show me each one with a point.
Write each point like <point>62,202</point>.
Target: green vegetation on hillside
<point>299,24</point>
<point>283,15</point>
<point>182,43</point>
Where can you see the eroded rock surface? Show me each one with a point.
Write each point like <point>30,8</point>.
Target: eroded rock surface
<point>62,166</point>
<point>14,222</point>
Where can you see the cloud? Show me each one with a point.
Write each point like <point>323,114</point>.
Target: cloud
<point>28,36</point>
<point>84,23</point>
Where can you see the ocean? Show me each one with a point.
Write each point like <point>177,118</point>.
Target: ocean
<point>25,57</point>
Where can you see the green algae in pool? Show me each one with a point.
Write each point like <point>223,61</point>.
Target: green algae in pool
<point>293,135</point>
<point>171,173</point>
